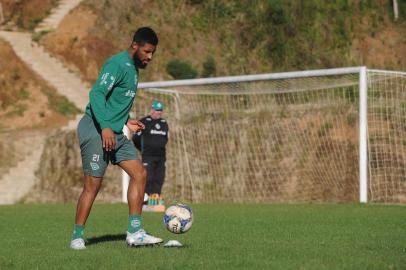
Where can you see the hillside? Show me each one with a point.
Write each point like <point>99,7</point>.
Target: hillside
<point>26,100</point>
<point>217,38</point>
<point>221,38</point>
<point>238,37</point>
<point>29,109</point>
<point>25,14</point>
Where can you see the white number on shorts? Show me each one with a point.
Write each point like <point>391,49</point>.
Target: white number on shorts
<point>95,157</point>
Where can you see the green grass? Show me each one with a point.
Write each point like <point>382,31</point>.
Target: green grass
<point>224,236</point>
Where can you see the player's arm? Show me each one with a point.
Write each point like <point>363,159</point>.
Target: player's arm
<point>137,136</point>
<point>108,78</point>
<point>135,125</point>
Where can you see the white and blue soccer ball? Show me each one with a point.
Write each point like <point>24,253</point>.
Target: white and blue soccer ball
<point>178,218</point>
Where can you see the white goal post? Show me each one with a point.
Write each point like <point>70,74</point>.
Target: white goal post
<point>296,142</point>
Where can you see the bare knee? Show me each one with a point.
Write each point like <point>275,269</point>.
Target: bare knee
<point>92,185</point>
<point>139,175</point>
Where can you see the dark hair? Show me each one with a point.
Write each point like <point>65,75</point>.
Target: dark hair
<point>145,35</point>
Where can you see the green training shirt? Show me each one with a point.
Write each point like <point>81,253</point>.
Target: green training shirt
<point>112,96</point>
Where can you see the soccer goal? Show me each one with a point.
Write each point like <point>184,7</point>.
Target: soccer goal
<point>332,135</point>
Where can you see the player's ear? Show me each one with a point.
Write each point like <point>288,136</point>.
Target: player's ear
<point>134,45</point>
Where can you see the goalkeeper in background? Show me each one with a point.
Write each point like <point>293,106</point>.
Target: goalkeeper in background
<point>152,141</point>
<point>102,141</point>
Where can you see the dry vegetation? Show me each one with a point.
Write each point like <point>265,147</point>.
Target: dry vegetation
<point>26,14</point>
<point>26,100</point>
<point>243,37</point>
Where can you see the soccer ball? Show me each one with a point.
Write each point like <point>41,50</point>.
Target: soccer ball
<point>178,218</point>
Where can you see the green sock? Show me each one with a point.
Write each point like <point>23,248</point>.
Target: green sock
<point>78,231</point>
<point>134,223</point>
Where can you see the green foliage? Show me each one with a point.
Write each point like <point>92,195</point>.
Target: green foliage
<point>209,67</point>
<point>37,36</point>
<point>180,70</point>
<point>61,104</point>
<point>24,94</point>
<point>324,129</point>
<point>33,23</point>
<point>65,107</point>
<point>195,2</point>
<point>250,37</point>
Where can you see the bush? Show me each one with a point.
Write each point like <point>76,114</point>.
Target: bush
<point>37,36</point>
<point>209,67</point>
<point>180,70</point>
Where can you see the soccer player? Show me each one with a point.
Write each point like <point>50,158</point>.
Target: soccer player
<point>152,143</point>
<point>102,140</point>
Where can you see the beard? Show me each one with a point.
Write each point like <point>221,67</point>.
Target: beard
<point>137,61</point>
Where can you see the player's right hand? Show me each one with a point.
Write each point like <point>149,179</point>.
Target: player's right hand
<point>109,139</point>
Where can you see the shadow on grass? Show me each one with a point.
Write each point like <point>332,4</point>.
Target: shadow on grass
<point>105,238</point>
<point>121,237</point>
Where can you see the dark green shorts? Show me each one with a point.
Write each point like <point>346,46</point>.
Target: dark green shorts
<point>94,159</point>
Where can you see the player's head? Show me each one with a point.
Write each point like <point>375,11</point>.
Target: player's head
<point>157,108</point>
<point>143,46</point>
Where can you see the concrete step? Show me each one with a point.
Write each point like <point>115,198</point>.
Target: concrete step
<point>57,15</point>
<point>49,68</point>
<point>20,179</point>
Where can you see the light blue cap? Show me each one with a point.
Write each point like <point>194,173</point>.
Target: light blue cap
<point>157,105</point>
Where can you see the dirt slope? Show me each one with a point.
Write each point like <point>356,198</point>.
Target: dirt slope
<point>25,99</point>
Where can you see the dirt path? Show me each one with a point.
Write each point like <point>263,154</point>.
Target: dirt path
<point>19,179</point>
<point>57,14</point>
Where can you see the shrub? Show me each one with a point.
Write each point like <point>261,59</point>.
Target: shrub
<point>209,67</point>
<point>180,70</point>
<point>37,36</point>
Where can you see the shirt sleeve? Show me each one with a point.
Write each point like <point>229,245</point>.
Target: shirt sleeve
<point>109,77</point>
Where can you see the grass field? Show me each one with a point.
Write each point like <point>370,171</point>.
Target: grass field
<point>223,236</point>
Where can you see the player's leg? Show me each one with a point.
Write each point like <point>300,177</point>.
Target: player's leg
<point>127,159</point>
<point>91,187</point>
<point>136,186</point>
<point>94,162</point>
<point>90,190</point>
<point>136,236</point>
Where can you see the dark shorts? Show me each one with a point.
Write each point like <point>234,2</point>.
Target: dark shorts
<point>94,159</point>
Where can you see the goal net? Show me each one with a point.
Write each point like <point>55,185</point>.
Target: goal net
<point>284,137</point>
<point>387,136</point>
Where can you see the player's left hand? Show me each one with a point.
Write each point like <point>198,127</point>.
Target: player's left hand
<point>135,125</point>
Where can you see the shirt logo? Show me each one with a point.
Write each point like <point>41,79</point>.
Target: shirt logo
<point>130,93</point>
<point>158,126</point>
<point>158,132</point>
<point>104,78</point>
